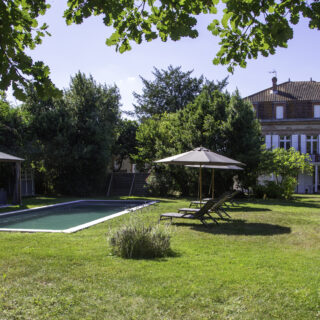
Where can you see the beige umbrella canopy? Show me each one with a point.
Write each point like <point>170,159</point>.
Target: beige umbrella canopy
<point>200,156</point>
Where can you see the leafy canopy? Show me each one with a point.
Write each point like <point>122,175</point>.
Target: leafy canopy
<point>19,31</point>
<point>73,136</point>
<point>170,91</point>
<point>246,27</point>
<point>223,123</point>
<point>285,165</point>
<point>126,143</point>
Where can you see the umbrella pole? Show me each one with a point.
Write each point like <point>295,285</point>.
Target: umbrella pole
<point>212,184</point>
<point>200,184</point>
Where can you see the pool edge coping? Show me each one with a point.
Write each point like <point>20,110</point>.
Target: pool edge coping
<point>81,226</point>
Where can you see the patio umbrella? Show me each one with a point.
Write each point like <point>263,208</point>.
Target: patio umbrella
<point>200,156</point>
<point>212,176</point>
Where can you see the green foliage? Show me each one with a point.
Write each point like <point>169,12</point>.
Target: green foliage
<point>285,165</point>
<point>20,31</point>
<point>159,183</point>
<point>243,139</point>
<point>270,190</point>
<point>289,185</point>
<point>135,240</point>
<point>126,143</point>
<point>12,128</point>
<point>246,28</point>
<point>73,137</point>
<point>170,91</point>
<point>216,120</point>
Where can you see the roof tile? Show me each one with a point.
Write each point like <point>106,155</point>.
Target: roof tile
<point>289,91</point>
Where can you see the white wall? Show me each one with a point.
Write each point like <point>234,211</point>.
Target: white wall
<point>305,182</point>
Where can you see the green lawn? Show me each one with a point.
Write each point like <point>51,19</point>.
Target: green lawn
<point>264,265</point>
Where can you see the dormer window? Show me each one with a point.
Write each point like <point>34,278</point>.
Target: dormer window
<point>279,112</point>
<point>316,111</point>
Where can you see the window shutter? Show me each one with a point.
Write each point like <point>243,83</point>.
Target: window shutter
<point>279,112</point>
<point>268,141</point>
<point>275,141</point>
<point>295,141</point>
<point>303,143</point>
<point>316,111</point>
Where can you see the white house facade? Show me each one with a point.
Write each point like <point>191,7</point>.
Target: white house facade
<point>289,114</point>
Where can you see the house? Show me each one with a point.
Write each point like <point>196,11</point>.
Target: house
<point>289,114</point>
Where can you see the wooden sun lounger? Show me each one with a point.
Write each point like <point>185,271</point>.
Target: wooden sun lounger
<point>230,199</point>
<point>201,214</point>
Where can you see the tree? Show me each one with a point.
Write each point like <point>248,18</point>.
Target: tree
<point>243,138</point>
<point>170,91</point>
<point>216,120</point>
<point>12,128</point>
<point>246,29</point>
<point>126,143</point>
<point>73,136</point>
<point>12,139</point>
<point>19,31</point>
<point>285,165</point>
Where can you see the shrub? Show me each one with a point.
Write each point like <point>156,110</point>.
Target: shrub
<point>269,190</point>
<point>158,184</point>
<point>276,191</point>
<point>136,240</point>
<point>289,185</point>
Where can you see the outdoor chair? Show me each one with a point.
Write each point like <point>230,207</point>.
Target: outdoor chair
<point>230,199</point>
<point>217,207</point>
<point>201,214</point>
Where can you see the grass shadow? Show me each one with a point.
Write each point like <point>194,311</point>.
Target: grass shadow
<point>240,227</point>
<point>170,254</point>
<point>292,203</point>
<point>246,209</point>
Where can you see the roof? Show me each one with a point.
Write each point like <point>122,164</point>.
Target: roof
<point>9,157</point>
<point>289,91</point>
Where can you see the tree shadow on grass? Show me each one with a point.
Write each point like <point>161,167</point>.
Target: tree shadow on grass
<point>291,203</point>
<point>240,227</point>
<point>246,209</point>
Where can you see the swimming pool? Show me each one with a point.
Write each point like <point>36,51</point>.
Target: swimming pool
<point>68,217</point>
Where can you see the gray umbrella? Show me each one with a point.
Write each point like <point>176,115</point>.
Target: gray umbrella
<point>200,156</point>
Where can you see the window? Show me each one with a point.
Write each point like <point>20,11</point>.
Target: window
<point>285,142</point>
<point>312,142</point>
<point>279,112</point>
<point>316,111</point>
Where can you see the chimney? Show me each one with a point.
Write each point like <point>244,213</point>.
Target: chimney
<point>274,85</point>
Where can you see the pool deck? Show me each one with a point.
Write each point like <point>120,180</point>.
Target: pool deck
<point>79,227</point>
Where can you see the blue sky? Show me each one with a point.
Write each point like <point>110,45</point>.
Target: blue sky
<point>82,47</point>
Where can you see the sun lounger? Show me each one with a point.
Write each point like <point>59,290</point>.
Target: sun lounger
<point>231,196</point>
<point>217,207</point>
<point>201,214</point>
